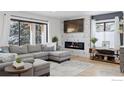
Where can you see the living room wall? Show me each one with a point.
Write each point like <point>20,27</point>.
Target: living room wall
<point>79,37</point>
<point>54,25</point>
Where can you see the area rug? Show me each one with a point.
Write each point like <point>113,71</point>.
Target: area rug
<point>68,68</point>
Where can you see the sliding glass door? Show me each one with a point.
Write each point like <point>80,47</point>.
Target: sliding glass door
<point>38,34</point>
<point>14,33</point>
<point>24,32</point>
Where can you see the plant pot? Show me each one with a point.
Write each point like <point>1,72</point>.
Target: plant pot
<point>94,46</point>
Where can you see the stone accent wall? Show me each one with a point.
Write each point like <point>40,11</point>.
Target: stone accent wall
<point>79,37</point>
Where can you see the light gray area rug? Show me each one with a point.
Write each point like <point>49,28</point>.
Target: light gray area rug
<point>68,68</point>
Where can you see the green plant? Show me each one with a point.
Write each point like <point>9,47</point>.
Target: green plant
<point>55,39</point>
<point>94,40</point>
<point>18,60</point>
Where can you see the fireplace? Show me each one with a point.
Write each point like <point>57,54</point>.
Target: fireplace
<point>74,45</point>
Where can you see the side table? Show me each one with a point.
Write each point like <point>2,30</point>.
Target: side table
<point>11,69</point>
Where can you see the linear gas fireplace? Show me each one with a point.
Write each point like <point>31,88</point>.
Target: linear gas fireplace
<point>74,45</point>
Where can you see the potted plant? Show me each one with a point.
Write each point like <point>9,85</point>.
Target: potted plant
<point>94,40</point>
<point>55,40</point>
<point>18,60</point>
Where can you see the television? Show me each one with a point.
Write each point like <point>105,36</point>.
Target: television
<point>76,25</point>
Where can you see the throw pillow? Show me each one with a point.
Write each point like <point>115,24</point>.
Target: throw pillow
<point>34,48</point>
<point>18,49</point>
<point>51,48</point>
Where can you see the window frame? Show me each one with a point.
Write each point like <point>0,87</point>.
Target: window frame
<point>31,22</point>
<point>104,23</point>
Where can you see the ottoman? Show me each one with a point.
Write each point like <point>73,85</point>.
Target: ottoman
<point>41,68</point>
<point>59,56</point>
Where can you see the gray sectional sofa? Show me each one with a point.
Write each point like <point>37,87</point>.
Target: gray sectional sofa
<point>35,54</point>
<point>29,52</point>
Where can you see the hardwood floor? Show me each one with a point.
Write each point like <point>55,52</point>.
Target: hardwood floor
<point>99,68</point>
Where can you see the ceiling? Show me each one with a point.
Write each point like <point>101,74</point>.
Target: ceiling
<point>68,14</point>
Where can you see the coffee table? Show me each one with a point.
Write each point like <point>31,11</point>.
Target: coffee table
<point>11,69</point>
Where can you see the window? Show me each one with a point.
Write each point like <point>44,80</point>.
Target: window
<point>20,32</point>
<point>41,33</point>
<point>105,26</point>
<point>110,26</point>
<point>14,33</point>
<point>38,34</point>
<point>105,33</point>
<point>24,33</point>
<point>100,27</point>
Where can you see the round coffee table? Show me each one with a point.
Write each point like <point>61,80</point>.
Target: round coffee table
<point>11,69</point>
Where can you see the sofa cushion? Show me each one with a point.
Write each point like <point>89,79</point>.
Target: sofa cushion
<point>4,49</point>
<point>48,48</point>
<point>3,65</point>
<point>34,48</point>
<point>50,45</point>
<point>7,57</point>
<point>60,53</point>
<point>28,60</point>
<point>40,64</point>
<point>18,49</point>
<point>23,56</point>
<point>42,47</point>
<point>39,54</point>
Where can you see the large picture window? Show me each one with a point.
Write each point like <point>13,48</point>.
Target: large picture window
<point>20,32</point>
<point>105,26</point>
<point>105,33</point>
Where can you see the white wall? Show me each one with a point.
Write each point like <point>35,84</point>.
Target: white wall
<point>79,37</point>
<point>54,25</point>
<point>4,29</point>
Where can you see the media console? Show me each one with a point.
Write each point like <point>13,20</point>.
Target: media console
<point>106,55</point>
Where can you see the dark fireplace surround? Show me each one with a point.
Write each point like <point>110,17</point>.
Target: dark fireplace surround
<point>74,45</point>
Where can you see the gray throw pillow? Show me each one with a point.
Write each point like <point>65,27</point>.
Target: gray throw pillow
<point>34,48</point>
<point>43,47</point>
<point>18,49</point>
